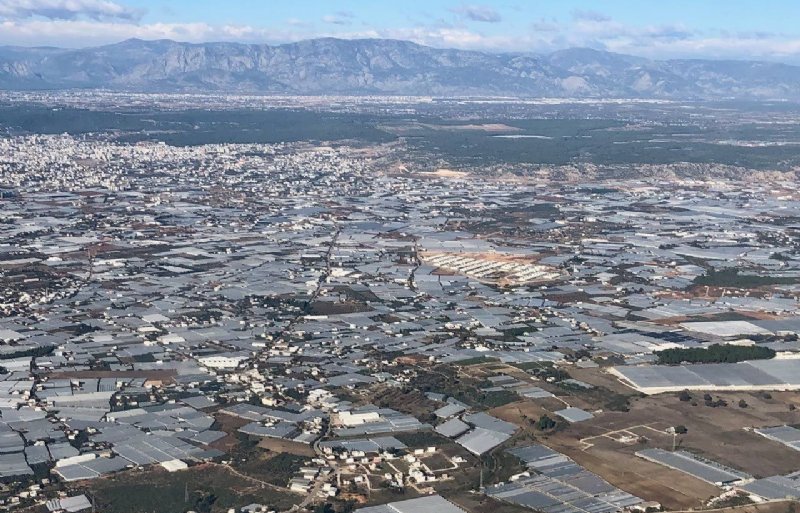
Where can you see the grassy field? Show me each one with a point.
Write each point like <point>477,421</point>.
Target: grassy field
<point>202,488</point>
<point>274,468</point>
<point>278,445</point>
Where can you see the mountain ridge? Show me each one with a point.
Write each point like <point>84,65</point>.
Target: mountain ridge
<point>387,67</point>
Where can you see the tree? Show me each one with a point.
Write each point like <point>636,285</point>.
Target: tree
<point>715,353</point>
<point>324,508</point>
<point>681,430</point>
<point>545,423</point>
<point>348,507</point>
<point>685,396</point>
<point>742,403</point>
<point>205,503</point>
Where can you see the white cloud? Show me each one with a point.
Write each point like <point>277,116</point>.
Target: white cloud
<point>339,18</point>
<point>67,10</point>
<point>88,33</point>
<point>656,41</point>
<point>480,13</point>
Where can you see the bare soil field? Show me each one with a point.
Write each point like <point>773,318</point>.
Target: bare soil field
<point>673,489</point>
<point>286,446</point>
<point>766,507</point>
<point>447,173</point>
<point>616,465</point>
<point>229,424</point>
<point>522,413</point>
<point>607,443</point>
<point>599,377</point>
<point>721,434</point>
<point>483,127</point>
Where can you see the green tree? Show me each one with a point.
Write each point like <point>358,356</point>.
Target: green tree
<point>545,423</point>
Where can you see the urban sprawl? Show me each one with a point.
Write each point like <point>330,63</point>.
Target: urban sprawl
<point>289,326</point>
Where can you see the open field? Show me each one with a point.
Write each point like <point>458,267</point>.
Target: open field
<point>767,507</point>
<point>158,491</point>
<point>445,173</point>
<point>717,433</point>
<point>648,480</point>
<point>286,446</point>
<point>229,424</point>
<point>673,489</point>
<point>268,467</point>
<point>599,377</point>
<point>606,444</point>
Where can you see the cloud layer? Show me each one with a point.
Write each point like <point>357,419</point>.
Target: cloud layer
<point>77,23</point>
<point>480,13</point>
<point>67,10</point>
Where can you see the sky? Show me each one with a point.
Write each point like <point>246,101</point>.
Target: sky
<point>659,29</point>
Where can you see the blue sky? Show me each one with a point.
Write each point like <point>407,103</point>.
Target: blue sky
<point>739,29</point>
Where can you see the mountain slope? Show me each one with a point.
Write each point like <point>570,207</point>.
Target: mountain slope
<point>381,66</point>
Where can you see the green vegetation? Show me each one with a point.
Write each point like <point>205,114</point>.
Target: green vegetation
<point>204,502</point>
<point>780,257</point>
<point>501,465</point>
<point>324,508</point>
<point>545,423</point>
<point>543,370</point>
<point>734,501</point>
<point>195,127</point>
<point>599,141</point>
<point>599,395</point>
<point>616,402</point>
<point>276,470</point>
<point>558,141</point>
<point>716,353</point>
<point>498,398</point>
<point>732,278</point>
<point>446,380</point>
<point>422,439</point>
<point>24,353</point>
<point>476,361</point>
<point>711,403</point>
<point>205,488</point>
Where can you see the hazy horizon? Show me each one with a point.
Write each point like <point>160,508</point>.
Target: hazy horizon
<point>705,30</point>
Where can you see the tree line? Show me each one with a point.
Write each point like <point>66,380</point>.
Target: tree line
<point>715,353</point>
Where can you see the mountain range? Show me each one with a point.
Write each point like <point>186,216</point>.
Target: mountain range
<point>386,67</point>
